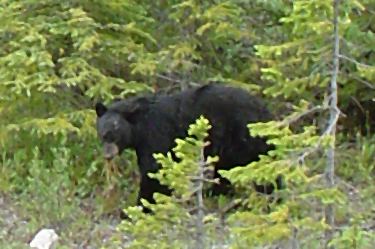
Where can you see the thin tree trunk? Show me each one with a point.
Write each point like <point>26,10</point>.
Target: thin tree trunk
<point>333,116</point>
<point>294,241</point>
<point>200,235</point>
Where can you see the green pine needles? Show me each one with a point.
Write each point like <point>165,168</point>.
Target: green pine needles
<point>180,220</point>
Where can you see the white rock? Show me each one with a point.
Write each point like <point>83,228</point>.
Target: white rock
<point>44,239</point>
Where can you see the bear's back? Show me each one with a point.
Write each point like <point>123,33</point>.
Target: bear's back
<point>229,110</point>
<point>222,104</point>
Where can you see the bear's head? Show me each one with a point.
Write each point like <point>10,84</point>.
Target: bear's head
<point>114,130</point>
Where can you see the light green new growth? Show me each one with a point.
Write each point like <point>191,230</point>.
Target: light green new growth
<point>179,220</point>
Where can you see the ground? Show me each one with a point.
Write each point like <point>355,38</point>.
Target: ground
<point>18,228</point>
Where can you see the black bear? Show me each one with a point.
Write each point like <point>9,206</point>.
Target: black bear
<point>150,124</point>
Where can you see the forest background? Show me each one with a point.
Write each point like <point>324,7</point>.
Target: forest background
<point>57,58</point>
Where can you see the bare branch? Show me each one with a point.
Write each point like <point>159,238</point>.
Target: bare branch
<point>231,205</point>
<point>307,152</point>
<point>335,113</point>
<point>203,179</point>
<point>161,76</point>
<point>293,118</point>
<point>333,117</point>
<point>327,131</point>
<point>368,84</point>
<point>347,185</point>
<point>355,100</point>
<point>341,56</point>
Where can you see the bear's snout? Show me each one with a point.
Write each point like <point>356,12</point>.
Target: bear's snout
<point>110,150</point>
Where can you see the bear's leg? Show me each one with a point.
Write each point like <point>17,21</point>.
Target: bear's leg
<point>148,187</point>
<point>222,188</point>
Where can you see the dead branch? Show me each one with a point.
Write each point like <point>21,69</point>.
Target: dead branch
<point>341,56</point>
<point>333,117</point>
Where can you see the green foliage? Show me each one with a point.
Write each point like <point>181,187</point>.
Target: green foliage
<point>47,183</point>
<point>298,67</point>
<point>51,44</point>
<point>354,236</point>
<point>174,222</point>
<point>178,175</point>
<point>58,57</point>
<point>355,173</point>
<point>278,216</point>
<point>299,64</point>
<point>251,230</point>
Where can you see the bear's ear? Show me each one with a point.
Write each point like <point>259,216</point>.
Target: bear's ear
<point>100,109</point>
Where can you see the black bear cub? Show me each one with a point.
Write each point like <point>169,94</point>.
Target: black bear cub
<point>150,124</point>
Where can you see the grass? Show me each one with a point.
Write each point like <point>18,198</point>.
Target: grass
<point>36,193</point>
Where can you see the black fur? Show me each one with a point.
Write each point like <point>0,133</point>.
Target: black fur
<point>150,124</point>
